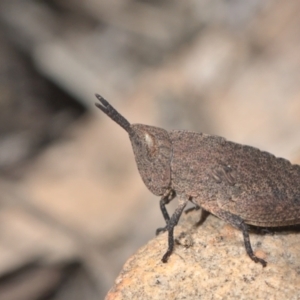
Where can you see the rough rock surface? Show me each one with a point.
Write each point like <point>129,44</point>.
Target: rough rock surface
<point>210,262</point>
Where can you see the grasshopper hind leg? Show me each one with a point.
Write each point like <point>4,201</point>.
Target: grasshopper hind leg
<point>240,224</point>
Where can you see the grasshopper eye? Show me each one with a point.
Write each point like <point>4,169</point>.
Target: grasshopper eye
<point>151,145</point>
<point>149,140</point>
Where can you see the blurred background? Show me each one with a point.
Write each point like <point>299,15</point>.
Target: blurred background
<point>72,205</point>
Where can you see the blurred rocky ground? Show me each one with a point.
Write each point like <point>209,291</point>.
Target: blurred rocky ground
<point>73,207</point>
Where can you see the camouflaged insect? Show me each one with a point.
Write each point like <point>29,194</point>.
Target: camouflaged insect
<point>239,184</point>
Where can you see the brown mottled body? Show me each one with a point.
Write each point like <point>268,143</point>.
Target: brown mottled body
<point>254,185</point>
<point>239,184</point>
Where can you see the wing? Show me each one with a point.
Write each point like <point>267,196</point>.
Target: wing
<point>258,187</point>
<point>255,185</point>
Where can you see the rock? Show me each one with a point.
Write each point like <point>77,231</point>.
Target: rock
<point>210,262</point>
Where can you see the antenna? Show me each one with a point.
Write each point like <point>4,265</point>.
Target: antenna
<point>112,113</point>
